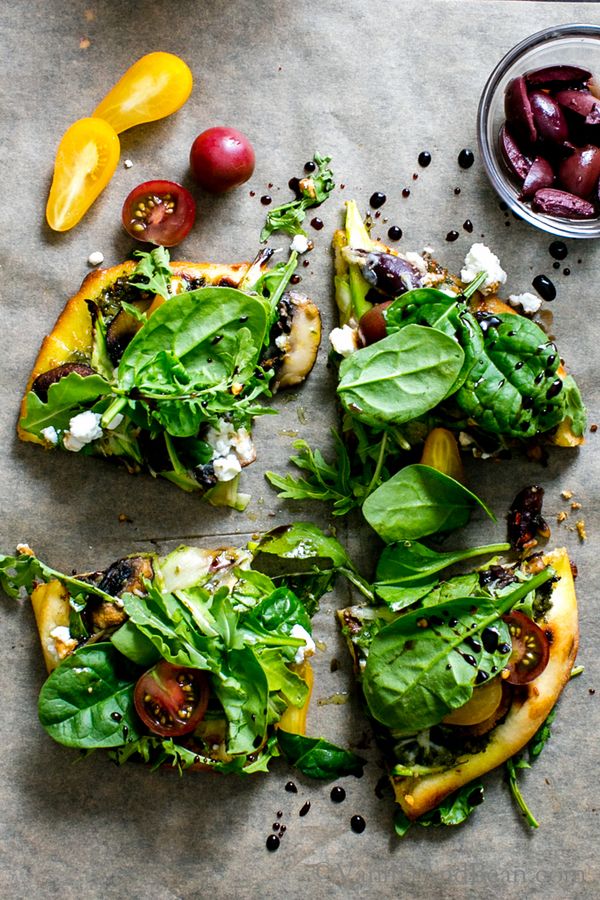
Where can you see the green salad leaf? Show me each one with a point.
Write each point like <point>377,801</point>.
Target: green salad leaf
<point>153,273</point>
<point>317,758</point>
<point>314,190</point>
<point>67,397</point>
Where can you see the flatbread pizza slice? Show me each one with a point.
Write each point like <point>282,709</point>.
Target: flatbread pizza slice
<point>461,680</point>
<point>161,365</point>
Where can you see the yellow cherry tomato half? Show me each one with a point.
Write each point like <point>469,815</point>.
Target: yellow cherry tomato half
<point>441,452</point>
<point>86,159</point>
<point>484,702</point>
<point>154,87</point>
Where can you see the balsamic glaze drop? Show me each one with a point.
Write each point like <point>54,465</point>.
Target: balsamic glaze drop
<point>544,287</point>
<point>558,250</point>
<point>452,236</point>
<point>468,226</point>
<point>490,638</point>
<point>116,716</point>
<point>466,158</point>
<point>377,199</point>
<point>316,223</point>
<point>310,166</point>
<point>481,677</point>
<point>294,185</point>
<point>476,797</point>
<point>305,809</point>
<point>405,192</point>
<point>554,389</point>
<point>291,788</point>
<point>556,265</point>
<point>394,233</point>
<point>338,794</point>
<point>295,279</point>
<point>357,824</point>
<point>266,199</point>
<point>456,191</point>
<point>273,843</point>
<point>424,158</point>
<point>566,271</point>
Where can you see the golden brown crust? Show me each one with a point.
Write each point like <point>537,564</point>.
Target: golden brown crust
<point>419,795</point>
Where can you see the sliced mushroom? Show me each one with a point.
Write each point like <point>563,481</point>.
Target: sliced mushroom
<point>43,382</point>
<point>299,339</point>
<point>122,329</point>
<point>127,574</point>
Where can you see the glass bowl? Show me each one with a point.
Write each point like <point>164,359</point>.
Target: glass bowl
<point>564,44</point>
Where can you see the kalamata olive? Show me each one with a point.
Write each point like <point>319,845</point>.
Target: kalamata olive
<point>43,382</point>
<point>540,175</point>
<point>517,108</point>
<point>560,203</point>
<point>579,173</point>
<point>549,118</point>
<point>517,162</point>
<point>372,326</point>
<point>551,76</point>
<point>390,275</point>
<point>581,102</point>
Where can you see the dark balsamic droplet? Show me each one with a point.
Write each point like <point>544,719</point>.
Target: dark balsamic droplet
<point>468,226</point>
<point>266,199</point>
<point>316,223</point>
<point>453,623</point>
<point>357,824</point>
<point>338,794</point>
<point>305,263</point>
<point>504,648</point>
<point>305,809</point>
<point>466,158</point>
<point>279,813</point>
<point>291,788</point>
<point>566,271</point>
<point>554,389</point>
<point>556,265</point>
<point>405,192</point>
<point>253,193</point>
<point>424,159</point>
<point>452,236</point>
<point>116,716</point>
<point>415,176</point>
<point>273,843</point>
<point>377,199</point>
<point>473,643</point>
<point>503,205</point>
<point>294,185</point>
<point>275,826</point>
<point>520,364</point>
<point>217,338</point>
<point>490,638</point>
<point>310,166</point>
<point>476,797</point>
<point>125,732</point>
<point>558,250</point>
<point>544,287</point>
<point>481,677</point>
<point>283,829</point>
<point>456,191</point>
<point>378,214</point>
<point>470,660</point>
<point>394,233</point>
<point>296,279</point>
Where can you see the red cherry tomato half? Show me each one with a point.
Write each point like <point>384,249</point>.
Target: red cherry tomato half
<point>171,700</point>
<point>160,212</point>
<point>530,648</point>
<point>221,158</point>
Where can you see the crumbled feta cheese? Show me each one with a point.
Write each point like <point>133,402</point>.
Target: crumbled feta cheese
<point>429,250</point>
<point>449,290</point>
<point>114,423</point>
<point>528,302</point>
<point>481,259</point>
<point>344,340</point>
<point>63,642</point>
<point>432,278</point>
<point>416,260</point>
<point>127,163</point>
<point>50,434</point>
<point>464,439</point>
<point>298,631</point>
<point>219,438</point>
<point>226,467</point>
<point>83,429</point>
<point>243,445</point>
<point>299,243</point>
<point>95,258</point>
<point>283,342</point>
<point>25,550</point>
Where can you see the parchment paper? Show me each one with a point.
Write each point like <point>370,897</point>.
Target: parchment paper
<point>372,83</point>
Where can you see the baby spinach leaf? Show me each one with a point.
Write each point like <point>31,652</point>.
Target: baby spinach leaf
<point>243,691</point>
<point>279,612</point>
<point>424,664</point>
<point>417,501</point>
<point>303,543</point>
<point>423,306</point>
<point>66,398</point>
<point>456,808</point>
<point>133,643</point>
<point>317,758</point>
<point>411,561</point>
<point>401,596</point>
<point>400,377</point>
<point>573,405</point>
<point>281,678</point>
<point>78,700</point>
<point>202,330</point>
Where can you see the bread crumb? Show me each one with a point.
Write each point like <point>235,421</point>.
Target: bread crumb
<point>84,43</point>
<point>123,517</point>
<point>566,495</point>
<point>580,526</point>
<point>561,517</point>
<point>575,505</point>
<point>593,428</point>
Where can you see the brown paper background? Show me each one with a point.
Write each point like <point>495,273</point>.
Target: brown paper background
<point>373,83</point>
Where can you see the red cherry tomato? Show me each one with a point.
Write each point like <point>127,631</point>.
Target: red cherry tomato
<point>530,648</point>
<point>221,158</point>
<point>171,700</point>
<point>159,212</point>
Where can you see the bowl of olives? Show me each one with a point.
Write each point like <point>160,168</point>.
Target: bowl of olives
<point>539,130</point>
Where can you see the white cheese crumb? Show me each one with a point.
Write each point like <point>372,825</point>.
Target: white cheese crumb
<point>299,243</point>
<point>63,642</point>
<point>464,439</point>
<point>528,302</point>
<point>83,429</point>
<point>219,438</point>
<point>283,342</point>
<point>416,260</point>
<point>298,631</point>
<point>243,445</point>
<point>25,549</point>
<point>344,340</point>
<point>127,164</point>
<point>226,467</point>
<point>50,434</point>
<point>95,258</point>
<point>481,259</point>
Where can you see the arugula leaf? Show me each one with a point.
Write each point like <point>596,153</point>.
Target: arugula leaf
<point>418,501</point>
<point>153,272</point>
<point>419,667</point>
<point>314,190</point>
<point>409,561</point>
<point>542,735</point>
<point>317,758</point>
<point>18,574</point>
<point>87,702</point>
<point>66,398</point>
<point>243,691</point>
<point>456,808</point>
<point>512,765</point>
<point>400,377</point>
